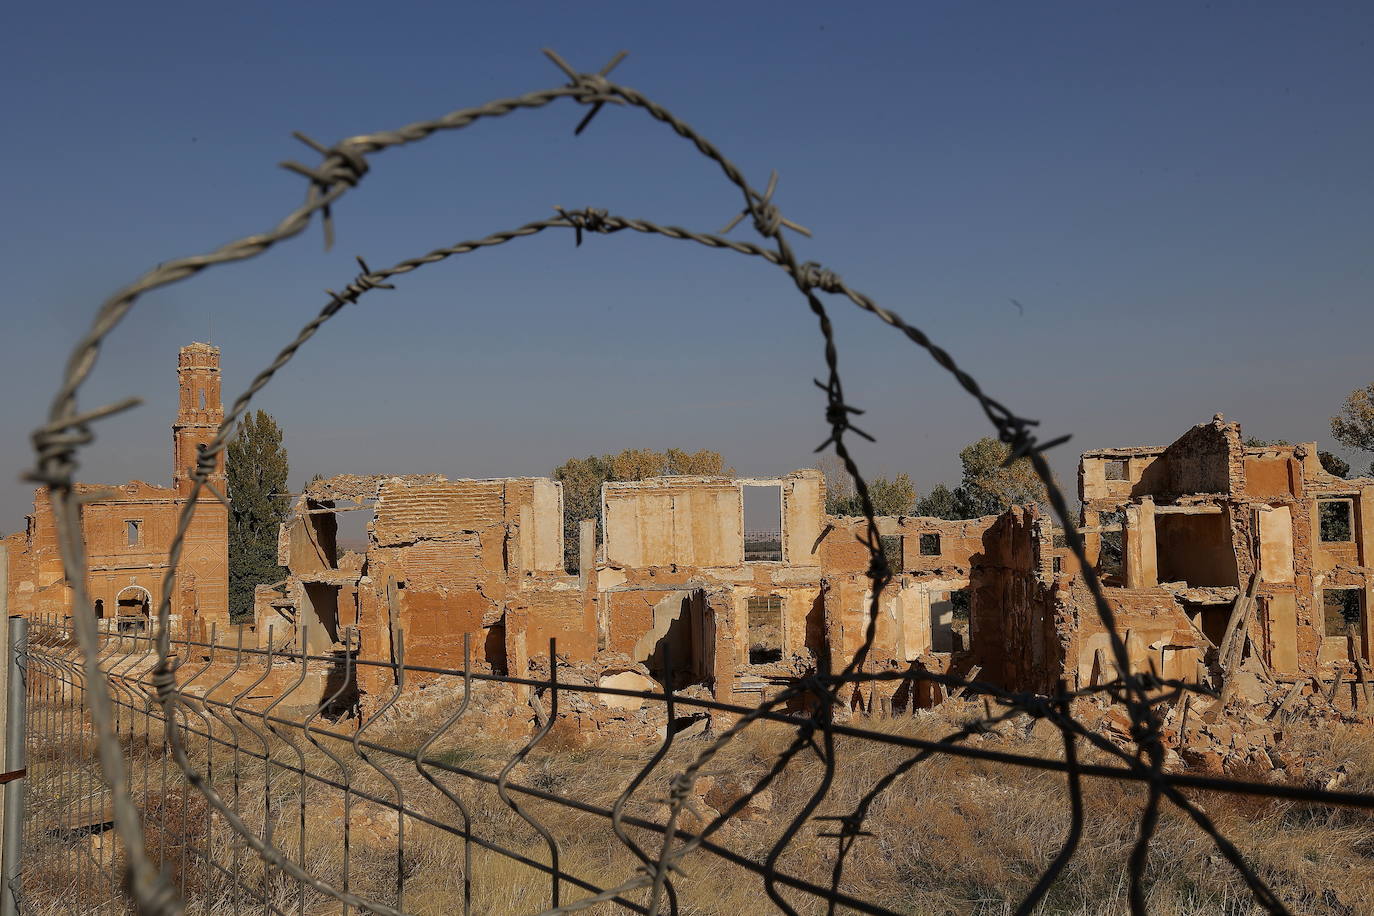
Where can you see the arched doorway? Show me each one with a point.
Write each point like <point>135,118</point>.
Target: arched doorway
<point>100,609</point>
<point>133,605</point>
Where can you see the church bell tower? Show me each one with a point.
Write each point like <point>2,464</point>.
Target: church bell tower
<point>199,413</point>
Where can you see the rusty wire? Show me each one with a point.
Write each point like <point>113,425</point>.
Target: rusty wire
<point>111,697</point>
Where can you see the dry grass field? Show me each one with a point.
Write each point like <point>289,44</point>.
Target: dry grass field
<point>953,836</point>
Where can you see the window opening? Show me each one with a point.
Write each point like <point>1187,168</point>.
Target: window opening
<point>99,609</point>
<point>1058,563</point>
<point>1110,555</point>
<point>1116,469</point>
<point>763,523</point>
<point>201,392</point>
<point>960,601</point>
<point>1341,610</point>
<point>765,630</point>
<point>892,549</point>
<point>131,531</point>
<point>930,545</point>
<point>1336,520</point>
<point>949,620</point>
<point>494,647</point>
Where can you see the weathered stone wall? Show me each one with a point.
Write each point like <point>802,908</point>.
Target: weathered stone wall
<point>1012,613</point>
<point>1209,458</point>
<point>481,557</point>
<point>955,544</point>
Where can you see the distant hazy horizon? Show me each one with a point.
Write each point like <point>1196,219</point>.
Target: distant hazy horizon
<point>1120,220</point>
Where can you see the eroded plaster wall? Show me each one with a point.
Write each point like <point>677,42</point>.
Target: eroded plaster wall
<point>674,520</point>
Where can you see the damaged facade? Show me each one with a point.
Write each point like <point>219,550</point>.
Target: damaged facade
<point>1183,535</point>
<point>128,529</point>
<point>677,591</point>
<point>1190,540</point>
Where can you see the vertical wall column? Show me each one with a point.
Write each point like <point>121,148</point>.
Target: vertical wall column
<point>586,549</point>
<point>1138,545</point>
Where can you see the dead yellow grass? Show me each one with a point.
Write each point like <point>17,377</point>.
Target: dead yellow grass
<point>952,836</point>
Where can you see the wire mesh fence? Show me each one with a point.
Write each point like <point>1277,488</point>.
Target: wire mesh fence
<point>174,772</point>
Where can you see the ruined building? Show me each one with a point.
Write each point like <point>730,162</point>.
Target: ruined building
<point>1179,533</point>
<point>680,589</point>
<point>677,591</point>
<point>128,529</point>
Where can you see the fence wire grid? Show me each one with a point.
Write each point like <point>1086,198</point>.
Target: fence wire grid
<point>159,791</point>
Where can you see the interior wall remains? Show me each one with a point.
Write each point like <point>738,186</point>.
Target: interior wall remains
<point>1196,549</point>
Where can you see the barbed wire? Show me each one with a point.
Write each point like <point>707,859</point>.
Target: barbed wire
<point>341,167</point>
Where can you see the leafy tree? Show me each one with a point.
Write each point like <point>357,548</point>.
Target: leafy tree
<point>582,479</point>
<point>1353,427</point>
<point>990,488</point>
<point>256,468</point>
<point>639,463</point>
<point>986,488</point>
<point>896,496</point>
<point>1334,464</point>
<point>942,502</point>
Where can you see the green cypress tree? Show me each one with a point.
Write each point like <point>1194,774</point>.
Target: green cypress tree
<point>256,467</point>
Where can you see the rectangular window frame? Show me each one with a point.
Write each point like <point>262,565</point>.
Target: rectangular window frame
<point>1360,611</point>
<point>133,532</point>
<point>928,538</point>
<point>1349,504</point>
<point>1119,465</point>
<point>774,556</point>
<point>892,549</point>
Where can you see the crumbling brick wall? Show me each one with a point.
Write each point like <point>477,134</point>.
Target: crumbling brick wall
<point>1013,613</point>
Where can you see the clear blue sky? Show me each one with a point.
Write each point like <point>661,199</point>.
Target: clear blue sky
<point>1178,194</point>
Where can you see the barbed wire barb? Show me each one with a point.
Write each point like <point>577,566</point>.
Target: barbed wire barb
<point>594,88</point>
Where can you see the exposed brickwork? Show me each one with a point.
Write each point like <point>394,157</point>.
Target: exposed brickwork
<point>128,529</point>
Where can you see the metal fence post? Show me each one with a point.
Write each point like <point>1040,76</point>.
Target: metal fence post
<point>16,697</point>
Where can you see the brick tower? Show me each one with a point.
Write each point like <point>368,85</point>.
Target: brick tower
<point>199,414</point>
